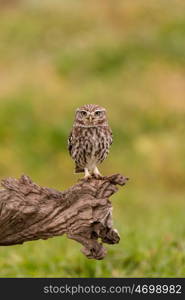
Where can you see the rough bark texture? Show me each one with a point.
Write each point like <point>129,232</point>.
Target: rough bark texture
<point>84,212</point>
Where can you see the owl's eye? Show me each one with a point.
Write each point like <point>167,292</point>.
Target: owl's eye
<point>83,113</point>
<point>98,113</point>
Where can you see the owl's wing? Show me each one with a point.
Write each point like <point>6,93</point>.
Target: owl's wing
<point>110,137</point>
<point>70,142</point>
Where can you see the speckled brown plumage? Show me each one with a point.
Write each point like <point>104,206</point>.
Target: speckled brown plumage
<point>90,139</point>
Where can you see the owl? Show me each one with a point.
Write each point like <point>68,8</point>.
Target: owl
<point>90,139</point>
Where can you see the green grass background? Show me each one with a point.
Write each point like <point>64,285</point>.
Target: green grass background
<point>128,56</point>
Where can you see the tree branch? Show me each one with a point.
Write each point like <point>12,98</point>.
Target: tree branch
<point>83,212</point>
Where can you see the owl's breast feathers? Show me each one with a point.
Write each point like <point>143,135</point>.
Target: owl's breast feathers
<point>89,146</point>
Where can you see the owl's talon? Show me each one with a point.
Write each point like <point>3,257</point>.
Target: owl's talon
<point>87,175</point>
<point>98,176</point>
<point>87,178</point>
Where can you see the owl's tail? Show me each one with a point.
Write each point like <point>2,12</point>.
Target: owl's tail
<point>78,169</point>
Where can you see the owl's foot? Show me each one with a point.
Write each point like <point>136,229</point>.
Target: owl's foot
<point>87,174</point>
<point>86,178</point>
<point>97,174</point>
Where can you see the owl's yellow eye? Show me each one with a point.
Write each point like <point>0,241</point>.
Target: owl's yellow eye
<point>83,113</point>
<point>98,113</point>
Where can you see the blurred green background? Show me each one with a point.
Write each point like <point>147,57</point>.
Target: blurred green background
<point>128,56</point>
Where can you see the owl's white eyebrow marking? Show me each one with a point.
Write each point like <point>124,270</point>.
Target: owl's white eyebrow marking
<point>91,109</point>
<point>79,109</point>
<point>100,110</point>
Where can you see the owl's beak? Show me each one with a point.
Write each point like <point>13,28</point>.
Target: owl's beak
<point>90,118</point>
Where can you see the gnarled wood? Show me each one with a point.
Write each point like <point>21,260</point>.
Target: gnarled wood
<point>83,212</point>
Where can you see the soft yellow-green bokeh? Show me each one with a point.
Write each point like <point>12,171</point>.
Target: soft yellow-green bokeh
<point>128,56</point>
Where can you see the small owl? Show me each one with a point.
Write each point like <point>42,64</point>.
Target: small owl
<point>90,139</point>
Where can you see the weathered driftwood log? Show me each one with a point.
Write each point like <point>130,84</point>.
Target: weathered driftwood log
<point>84,212</point>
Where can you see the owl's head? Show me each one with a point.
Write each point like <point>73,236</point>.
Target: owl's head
<point>91,115</point>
